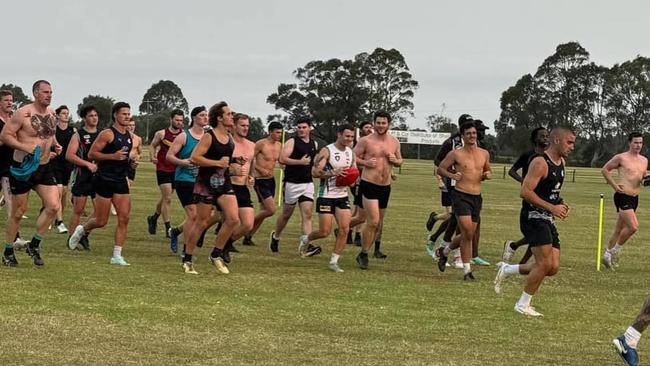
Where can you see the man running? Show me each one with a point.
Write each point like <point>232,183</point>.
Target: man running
<point>332,162</point>
<point>627,342</point>
<point>358,215</point>
<point>62,168</point>
<point>136,151</point>
<point>213,187</point>
<point>471,166</point>
<point>185,175</point>
<point>632,167</point>
<point>541,204</point>
<point>111,151</point>
<point>85,169</point>
<point>377,153</point>
<point>165,171</point>
<point>298,157</point>
<point>539,139</point>
<point>31,132</point>
<point>267,153</point>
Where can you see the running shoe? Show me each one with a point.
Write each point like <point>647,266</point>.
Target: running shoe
<point>379,255</point>
<point>334,267</point>
<point>480,261</point>
<point>119,260</point>
<point>84,242</point>
<point>431,221</point>
<point>188,267</point>
<point>35,253</point>
<point>501,275</point>
<point>152,223</point>
<point>173,240</point>
<point>606,260</point>
<point>627,353</point>
<point>527,310</point>
<point>469,277</point>
<point>442,259</point>
<point>508,252</point>
<point>61,228</point>
<point>10,260</point>
<point>219,264</point>
<point>362,260</point>
<point>76,236</point>
<point>248,241</point>
<point>430,248</point>
<point>303,243</point>
<point>274,243</point>
<point>311,251</point>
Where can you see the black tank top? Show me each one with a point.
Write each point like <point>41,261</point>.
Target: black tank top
<point>86,139</point>
<point>116,170</point>
<point>548,188</point>
<point>300,173</point>
<point>63,138</point>
<point>213,177</point>
<point>6,155</point>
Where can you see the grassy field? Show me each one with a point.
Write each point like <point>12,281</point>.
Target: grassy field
<point>279,309</point>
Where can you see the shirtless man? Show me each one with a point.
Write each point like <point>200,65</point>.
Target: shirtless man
<point>82,176</point>
<point>471,165</point>
<point>267,153</point>
<point>358,215</point>
<point>136,151</point>
<point>111,151</point>
<point>632,167</point>
<point>541,204</point>
<point>31,133</point>
<point>165,171</point>
<point>377,153</point>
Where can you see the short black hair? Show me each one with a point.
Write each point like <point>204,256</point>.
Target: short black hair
<point>38,83</point>
<point>364,124</point>
<point>275,125</point>
<point>240,116</point>
<point>176,112</point>
<point>215,112</point>
<point>5,92</point>
<point>533,134</point>
<point>466,126</point>
<point>83,112</point>
<point>344,127</point>
<point>116,108</point>
<point>380,114</point>
<point>633,135</point>
<point>58,110</point>
<point>303,119</point>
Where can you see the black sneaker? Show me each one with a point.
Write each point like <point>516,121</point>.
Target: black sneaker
<point>469,277</point>
<point>10,260</point>
<point>232,248</point>
<point>85,243</point>
<point>442,259</point>
<point>225,255</point>
<point>248,241</point>
<point>274,243</point>
<point>152,223</point>
<point>379,255</point>
<point>312,251</point>
<point>431,221</point>
<point>35,253</point>
<point>362,260</point>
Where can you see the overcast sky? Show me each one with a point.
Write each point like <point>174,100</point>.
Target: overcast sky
<point>463,53</point>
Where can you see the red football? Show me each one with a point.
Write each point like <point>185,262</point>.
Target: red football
<point>351,176</point>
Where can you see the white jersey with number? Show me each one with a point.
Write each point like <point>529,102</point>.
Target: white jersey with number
<point>338,159</point>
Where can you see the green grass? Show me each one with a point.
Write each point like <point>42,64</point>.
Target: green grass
<point>280,309</point>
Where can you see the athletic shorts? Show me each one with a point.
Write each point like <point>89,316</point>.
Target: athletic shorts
<point>624,202</point>
<point>265,188</point>
<point>538,232</point>
<point>243,196</point>
<point>105,188</point>
<point>298,192</point>
<point>185,192</point>
<point>165,178</point>
<point>330,205</point>
<point>356,195</point>
<point>43,176</point>
<point>446,197</point>
<point>465,204</point>
<point>209,196</point>
<point>131,174</point>
<point>371,191</point>
<point>83,186</point>
<point>62,176</point>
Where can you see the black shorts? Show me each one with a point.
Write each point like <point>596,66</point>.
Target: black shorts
<point>243,196</point>
<point>62,175</point>
<point>83,185</point>
<point>465,204</point>
<point>373,191</point>
<point>131,174</point>
<point>165,178</point>
<point>265,188</point>
<point>107,188</point>
<point>356,195</point>
<point>43,176</point>
<point>185,192</point>
<point>446,197</point>
<point>538,232</point>
<point>330,205</point>
<point>209,196</point>
<point>624,202</point>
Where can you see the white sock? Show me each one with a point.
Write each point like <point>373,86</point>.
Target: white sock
<point>117,251</point>
<point>335,258</point>
<point>457,252</point>
<point>467,268</point>
<point>446,250</point>
<point>607,254</point>
<point>511,269</point>
<point>632,337</point>
<point>276,237</point>
<point>524,300</point>
<point>617,248</point>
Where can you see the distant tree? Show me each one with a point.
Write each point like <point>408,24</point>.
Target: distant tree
<point>20,99</point>
<point>103,106</point>
<point>438,123</point>
<point>256,130</point>
<point>163,96</point>
<point>628,95</point>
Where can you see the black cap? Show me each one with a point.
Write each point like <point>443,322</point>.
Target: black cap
<point>464,118</point>
<point>480,126</point>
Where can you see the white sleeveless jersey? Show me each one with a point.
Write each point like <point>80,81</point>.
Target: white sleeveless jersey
<point>338,159</point>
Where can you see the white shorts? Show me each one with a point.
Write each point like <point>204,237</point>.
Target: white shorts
<point>298,192</point>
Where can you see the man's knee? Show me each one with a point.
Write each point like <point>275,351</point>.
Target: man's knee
<point>553,268</point>
<point>232,221</point>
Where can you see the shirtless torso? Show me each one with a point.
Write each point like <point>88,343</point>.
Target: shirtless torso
<point>472,165</point>
<point>266,152</point>
<point>243,156</point>
<point>33,126</point>
<point>631,170</point>
<point>377,154</point>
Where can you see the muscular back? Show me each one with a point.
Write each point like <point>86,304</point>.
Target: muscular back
<point>267,154</point>
<point>471,163</point>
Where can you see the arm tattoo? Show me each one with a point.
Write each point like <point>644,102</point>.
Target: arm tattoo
<point>643,319</point>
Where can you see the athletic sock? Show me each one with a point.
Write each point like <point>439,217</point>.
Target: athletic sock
<point>511,269</point>
<point>9,249</point>
<point>168,226</point>
<point>216,252</point>
<point>36,241</point>
<point>117,251</point>
<point>155,216</point>
<point>357,236</point>
<point>457,252</point>
<point>57,222</point>
<point>335,258</point>
<point>177,230</point>
<point>524,300</point>
<point>377,245</point>
<point>467,268</point>
<point>617,248</point>
<point>364,251</point>
<point>187,258</point>
<point>275,236</point>
<point>632,337</point>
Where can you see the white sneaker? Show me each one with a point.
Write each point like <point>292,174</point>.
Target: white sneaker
<point>119,260</point>
<point>458,262</point>
<point>334,267</point>
<point>527,310</point>
<point>606,260</point>
<point>501,275</point>
<point>188,267</point>
<point>61,228</point>
<point>219,264</point>
<point>20,243</point>
<point>113,212</point>
<point>508,252</point>
<point>73,241</point>
<point>304,243</point>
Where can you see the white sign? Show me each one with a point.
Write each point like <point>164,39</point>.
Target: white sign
<point>420,137</point>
